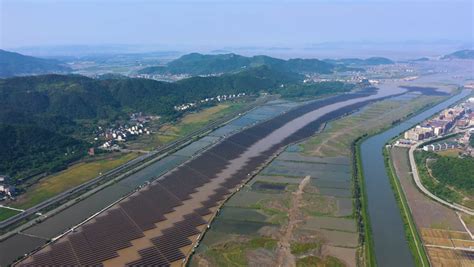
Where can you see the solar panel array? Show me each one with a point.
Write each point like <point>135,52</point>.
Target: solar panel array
<point>101,238</point>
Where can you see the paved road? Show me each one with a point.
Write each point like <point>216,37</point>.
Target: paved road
<point>423,189</point>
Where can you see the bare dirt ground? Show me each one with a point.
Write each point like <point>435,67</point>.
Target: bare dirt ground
<point>284,255</point>
<point>347,255</point>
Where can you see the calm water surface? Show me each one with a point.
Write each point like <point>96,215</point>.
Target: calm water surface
<point>391,247</point>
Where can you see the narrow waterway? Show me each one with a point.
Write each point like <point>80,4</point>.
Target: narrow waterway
<point>391,245</point>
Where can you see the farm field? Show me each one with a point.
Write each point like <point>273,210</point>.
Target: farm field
<point>69,178</point>
<point>191,122</point>
<point>320,228</point>
<point>264,208</point>
<point>444,237</point>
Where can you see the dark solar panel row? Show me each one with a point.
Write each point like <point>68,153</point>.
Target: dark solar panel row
<point>95,242</point>
<point>232,147</point>
<point>149,206</point>
<point>150,257</point>
<point>172,239</point>
<point>100,240</point>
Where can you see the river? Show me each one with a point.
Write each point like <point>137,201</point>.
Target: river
<point>391,245</point>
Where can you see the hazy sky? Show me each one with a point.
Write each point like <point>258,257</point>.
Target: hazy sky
<point>224,23</point>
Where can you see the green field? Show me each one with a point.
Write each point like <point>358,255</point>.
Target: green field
<point>69,178</point>
<point>233,253</point>
<point>7,213</point>
<point>315,261</point>
<point>194,121</point>
<point>186,125</point>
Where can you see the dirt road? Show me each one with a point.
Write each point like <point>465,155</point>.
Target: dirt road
<point>284,256</point>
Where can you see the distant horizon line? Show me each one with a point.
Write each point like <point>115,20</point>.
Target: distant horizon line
<point>249,45</point>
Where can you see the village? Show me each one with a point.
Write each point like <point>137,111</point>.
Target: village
<point>113,136</point>
<point>453,128</point>
<point>218,98</point>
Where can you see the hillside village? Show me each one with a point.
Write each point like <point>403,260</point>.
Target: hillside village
<point>115,135</point>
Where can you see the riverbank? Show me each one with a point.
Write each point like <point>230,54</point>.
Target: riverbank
<point>412,234</point>
<point>391,247</point>
<point>367,254</point>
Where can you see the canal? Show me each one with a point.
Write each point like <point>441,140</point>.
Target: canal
<point>391,245</point>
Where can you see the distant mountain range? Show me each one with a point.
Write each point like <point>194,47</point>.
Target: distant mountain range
<point>14,64</point>
<point>461,54</point>
<point>372,61</point>
<point>199,64</point>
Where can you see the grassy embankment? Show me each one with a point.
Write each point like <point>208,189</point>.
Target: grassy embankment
<point>69,178</point>
<point>414,240</point>
<point>361,204</point>
<point>7,213</point>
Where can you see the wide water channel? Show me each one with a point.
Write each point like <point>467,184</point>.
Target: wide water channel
<point>391,245</point>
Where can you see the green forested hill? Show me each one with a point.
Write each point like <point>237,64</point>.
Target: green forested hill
<point>44,118</point>
<point>199,64</point>
<point>14,64</point>
<point>78,97</point>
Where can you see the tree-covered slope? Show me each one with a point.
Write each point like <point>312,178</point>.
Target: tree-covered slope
<point>76,97</point>
<point>14,64</point>
<point>199,64</point>
<point>45,120</point>
<point>28,150</point>
<point>455,172</point>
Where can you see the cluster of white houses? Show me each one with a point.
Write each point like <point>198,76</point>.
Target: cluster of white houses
<point>218,98</point>
<point>5,189</point>
<point>120,134</point>
<point>441,146</point>
<point>460,115</point>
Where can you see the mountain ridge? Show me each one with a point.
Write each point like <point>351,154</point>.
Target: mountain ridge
<point>15,64</point>
<point>202,64</point>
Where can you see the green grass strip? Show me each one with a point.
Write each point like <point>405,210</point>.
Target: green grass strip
<point>411,232</point>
